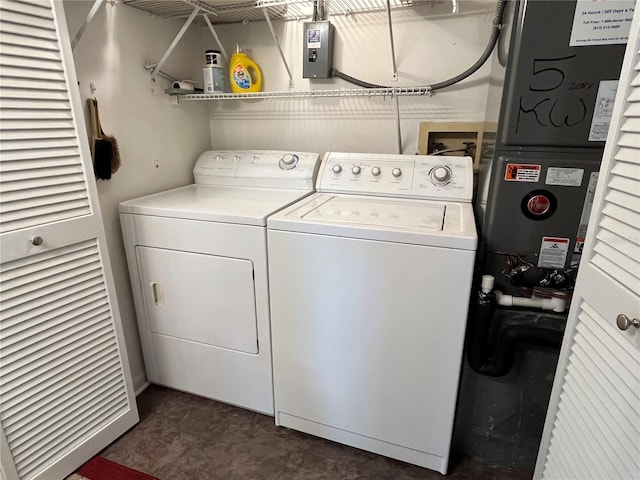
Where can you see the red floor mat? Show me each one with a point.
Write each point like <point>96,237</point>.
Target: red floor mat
<point>99,468</point>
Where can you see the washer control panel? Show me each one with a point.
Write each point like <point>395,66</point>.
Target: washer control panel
<point>413,176</point>
<point>269,168</point>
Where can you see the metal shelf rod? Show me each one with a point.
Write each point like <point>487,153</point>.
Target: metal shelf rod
<point>92,13</point>
<point>394,73</point>
<point>215,36</point>
<point>275,37</point>
<point>175,41</point>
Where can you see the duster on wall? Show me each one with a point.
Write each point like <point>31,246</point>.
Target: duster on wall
<point>104,148</point>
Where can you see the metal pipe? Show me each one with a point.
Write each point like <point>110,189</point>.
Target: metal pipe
<point>275,37</point>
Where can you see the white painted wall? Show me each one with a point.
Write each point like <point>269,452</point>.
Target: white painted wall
<point>431,45</point>
<point>158,142</point>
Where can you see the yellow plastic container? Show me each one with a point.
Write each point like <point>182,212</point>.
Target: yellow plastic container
<point>244,74</point>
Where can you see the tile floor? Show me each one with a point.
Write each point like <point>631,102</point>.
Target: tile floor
<point>184,437</point>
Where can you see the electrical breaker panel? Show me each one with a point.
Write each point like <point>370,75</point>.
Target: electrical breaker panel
<point>317,49</point>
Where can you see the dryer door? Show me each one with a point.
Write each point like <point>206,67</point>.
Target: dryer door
<point>202,298</point>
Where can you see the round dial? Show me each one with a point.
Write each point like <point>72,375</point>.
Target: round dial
<point>288,161</point>
<point>356,170</point>
<point>375,171</point>
<point>441,175</point>
<point>336,168</point>
<point>396,172</point>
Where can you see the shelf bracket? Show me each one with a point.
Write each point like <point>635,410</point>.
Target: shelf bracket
<point>394,74</point>
<point>153,69</point>
<point>275,37</point>
<point>92,13</point>
<point>175,42</point>
<point>215,36</point>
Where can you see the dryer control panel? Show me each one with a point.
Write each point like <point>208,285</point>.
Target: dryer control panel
<point>412,176</point>
<point>257,168</point>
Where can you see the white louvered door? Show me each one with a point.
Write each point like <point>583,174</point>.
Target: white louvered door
<point>592,429</point>
<point>65,386</point>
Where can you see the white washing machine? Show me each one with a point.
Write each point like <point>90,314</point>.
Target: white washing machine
<point>370,281</point>
<point>197,259</point>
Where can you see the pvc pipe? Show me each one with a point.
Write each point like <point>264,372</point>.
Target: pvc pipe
<point>487,283</point>
<point>554,304</point>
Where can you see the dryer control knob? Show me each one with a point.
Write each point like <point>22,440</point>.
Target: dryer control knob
<point>288,161</point>
<point>336,168</point>
<point>356,170</point>
<point>375,171</point>
<point>441,175</point>
<point>396,172</point>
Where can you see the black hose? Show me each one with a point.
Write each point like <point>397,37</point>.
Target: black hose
<point>490,348</point>
<point>493,39</point>
<point>478,328</point>
<point>509,339</point>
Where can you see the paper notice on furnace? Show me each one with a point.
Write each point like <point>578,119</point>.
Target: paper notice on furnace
<point>603,111</point>
<point>605,22</point>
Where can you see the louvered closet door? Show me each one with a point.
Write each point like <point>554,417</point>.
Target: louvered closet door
<point>65,386</point>
<point>593,423</point>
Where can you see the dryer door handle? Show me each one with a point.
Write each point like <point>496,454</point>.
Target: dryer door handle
<point>156,289</point>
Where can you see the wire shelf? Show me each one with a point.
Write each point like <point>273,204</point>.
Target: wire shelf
<point>238,12</point>
<point>348,92</point>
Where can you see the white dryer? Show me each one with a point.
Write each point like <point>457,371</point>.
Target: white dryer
<point>197,259</point>
<point>370,281</point>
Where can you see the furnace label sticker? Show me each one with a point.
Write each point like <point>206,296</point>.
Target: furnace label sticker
<point>568,177</point>
<point>606,22</point>
<point>603,110</point>
<point>553,252</point>
<point>313,39</point>
<point>516,172</point>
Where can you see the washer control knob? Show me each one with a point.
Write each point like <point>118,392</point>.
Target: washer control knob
<point>396,172</point>
<point>236,158</point>
<point>356,170</point>
<point>441,175</point>
<point>375,171</point>
<point>336,168</point>
<point>288,161</point>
